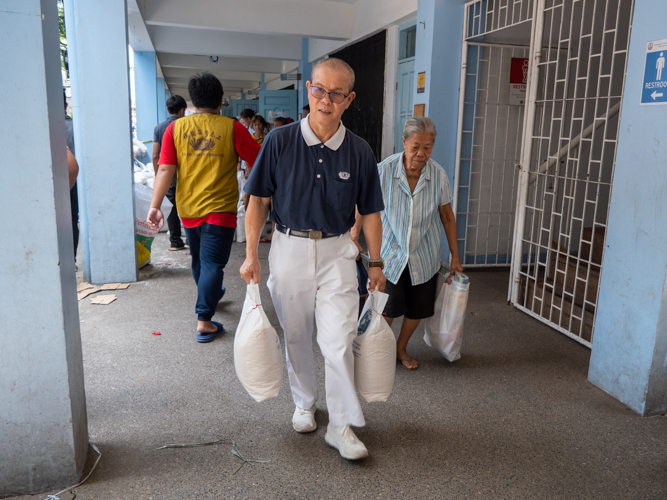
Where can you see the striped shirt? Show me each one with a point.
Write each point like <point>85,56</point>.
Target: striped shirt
<point>411,221</point>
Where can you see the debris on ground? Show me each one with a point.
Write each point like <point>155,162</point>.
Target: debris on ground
<point>194,445</point>
<point>235,451</point>
<point>83,294</point>
<point>157,333</point>
<point>70,488</point>
<point>103,299</point>
<point>115,286</point>
<point>85,289</point>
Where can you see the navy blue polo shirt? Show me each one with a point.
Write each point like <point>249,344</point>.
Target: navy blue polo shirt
<point>316,186</point>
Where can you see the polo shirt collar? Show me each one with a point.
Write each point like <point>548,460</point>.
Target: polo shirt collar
<point>312,140</point>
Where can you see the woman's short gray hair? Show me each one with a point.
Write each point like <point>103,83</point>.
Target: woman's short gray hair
<point>419,125</point>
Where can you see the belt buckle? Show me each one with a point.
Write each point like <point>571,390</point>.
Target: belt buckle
<point>315,235</point>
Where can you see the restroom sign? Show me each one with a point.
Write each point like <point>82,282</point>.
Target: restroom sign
<point>654,85</point>
<point>518,81</point>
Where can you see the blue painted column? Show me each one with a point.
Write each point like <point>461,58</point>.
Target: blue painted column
<point>631,324</point>
<point>305,68</point>
<point>106,141</point>
<point>76,121</point>
<point>162,112</point>
<point>438,51</point>
<point>145,88</point>
<point>262,84</point>
<point>43,423</point>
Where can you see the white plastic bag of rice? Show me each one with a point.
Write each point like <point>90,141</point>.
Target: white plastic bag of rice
<point>444,330</point>
<point>257,355</point>
<point>374,351</point>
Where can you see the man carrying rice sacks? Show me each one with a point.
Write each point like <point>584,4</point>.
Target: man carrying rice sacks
<point>317,171</point>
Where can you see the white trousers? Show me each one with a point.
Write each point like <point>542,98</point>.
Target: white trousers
<point>314,282</point>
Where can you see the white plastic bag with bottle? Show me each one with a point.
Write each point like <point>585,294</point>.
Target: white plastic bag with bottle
<point>444,330</point>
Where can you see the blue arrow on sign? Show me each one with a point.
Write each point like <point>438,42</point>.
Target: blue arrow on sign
<point>654,84</point>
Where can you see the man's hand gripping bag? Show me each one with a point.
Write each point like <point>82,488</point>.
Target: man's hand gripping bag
<point>374,351</point>
<point>257,356</point>
<point>143,233</point>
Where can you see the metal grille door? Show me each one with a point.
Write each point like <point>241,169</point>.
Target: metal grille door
<point>575,89</point>
<point>490,145</point>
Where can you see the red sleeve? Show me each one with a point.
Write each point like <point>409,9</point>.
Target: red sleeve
<point>167,149</point>
<point>246,146</point>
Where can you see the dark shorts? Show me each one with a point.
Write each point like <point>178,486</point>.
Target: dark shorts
<point>411,301</point>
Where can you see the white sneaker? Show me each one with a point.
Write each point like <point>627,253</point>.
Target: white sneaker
<point>304,420</point>
<point>346,442</point>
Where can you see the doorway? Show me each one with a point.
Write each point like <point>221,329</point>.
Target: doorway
<point>554,228</point>
<point>489,150</point>
<point>405,80</point>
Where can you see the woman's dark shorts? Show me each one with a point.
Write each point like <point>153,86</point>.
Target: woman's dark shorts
<point>411,301</point>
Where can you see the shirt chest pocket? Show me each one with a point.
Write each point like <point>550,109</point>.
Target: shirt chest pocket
<point>340,195</point>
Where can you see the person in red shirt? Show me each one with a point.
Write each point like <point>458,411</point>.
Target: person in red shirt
<point>204,149</point>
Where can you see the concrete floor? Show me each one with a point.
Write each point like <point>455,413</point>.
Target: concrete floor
<point>514,418</point>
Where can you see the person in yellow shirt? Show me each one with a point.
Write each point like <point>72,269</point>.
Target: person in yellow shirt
<point>204,149</point>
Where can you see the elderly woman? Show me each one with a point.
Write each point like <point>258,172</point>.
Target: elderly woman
<point>417,199</point>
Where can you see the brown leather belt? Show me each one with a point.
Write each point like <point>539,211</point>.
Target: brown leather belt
<point>313,235</point>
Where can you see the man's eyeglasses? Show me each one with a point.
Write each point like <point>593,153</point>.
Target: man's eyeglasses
<point>336,97</point>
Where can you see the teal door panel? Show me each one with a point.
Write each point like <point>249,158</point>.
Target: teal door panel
<point>239,105</point>
<point>273,103</point>
<point>405,79</point>
<point>227,111</point>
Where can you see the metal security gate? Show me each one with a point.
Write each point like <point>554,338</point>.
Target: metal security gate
<point>490,139</point>
<point>490,132</point>
<point>575,89</point>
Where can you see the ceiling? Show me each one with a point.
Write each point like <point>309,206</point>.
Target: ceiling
<point>239,41</point>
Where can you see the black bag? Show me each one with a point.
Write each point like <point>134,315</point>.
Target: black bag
<point>362,279</point>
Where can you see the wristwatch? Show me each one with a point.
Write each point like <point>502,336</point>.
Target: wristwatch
<point>376,263</point>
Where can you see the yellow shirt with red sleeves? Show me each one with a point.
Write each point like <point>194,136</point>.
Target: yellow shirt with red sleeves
<point>205,148</point>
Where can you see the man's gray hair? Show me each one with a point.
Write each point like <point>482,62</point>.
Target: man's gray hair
<point>335,64</point>
<point>419,125</point>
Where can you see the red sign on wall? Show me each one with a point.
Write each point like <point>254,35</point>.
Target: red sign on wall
<point>518,80</point>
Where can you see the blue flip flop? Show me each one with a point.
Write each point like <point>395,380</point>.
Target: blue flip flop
<point>207,337</point>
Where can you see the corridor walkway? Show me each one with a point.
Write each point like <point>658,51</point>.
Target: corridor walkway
<point>514,418</point>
